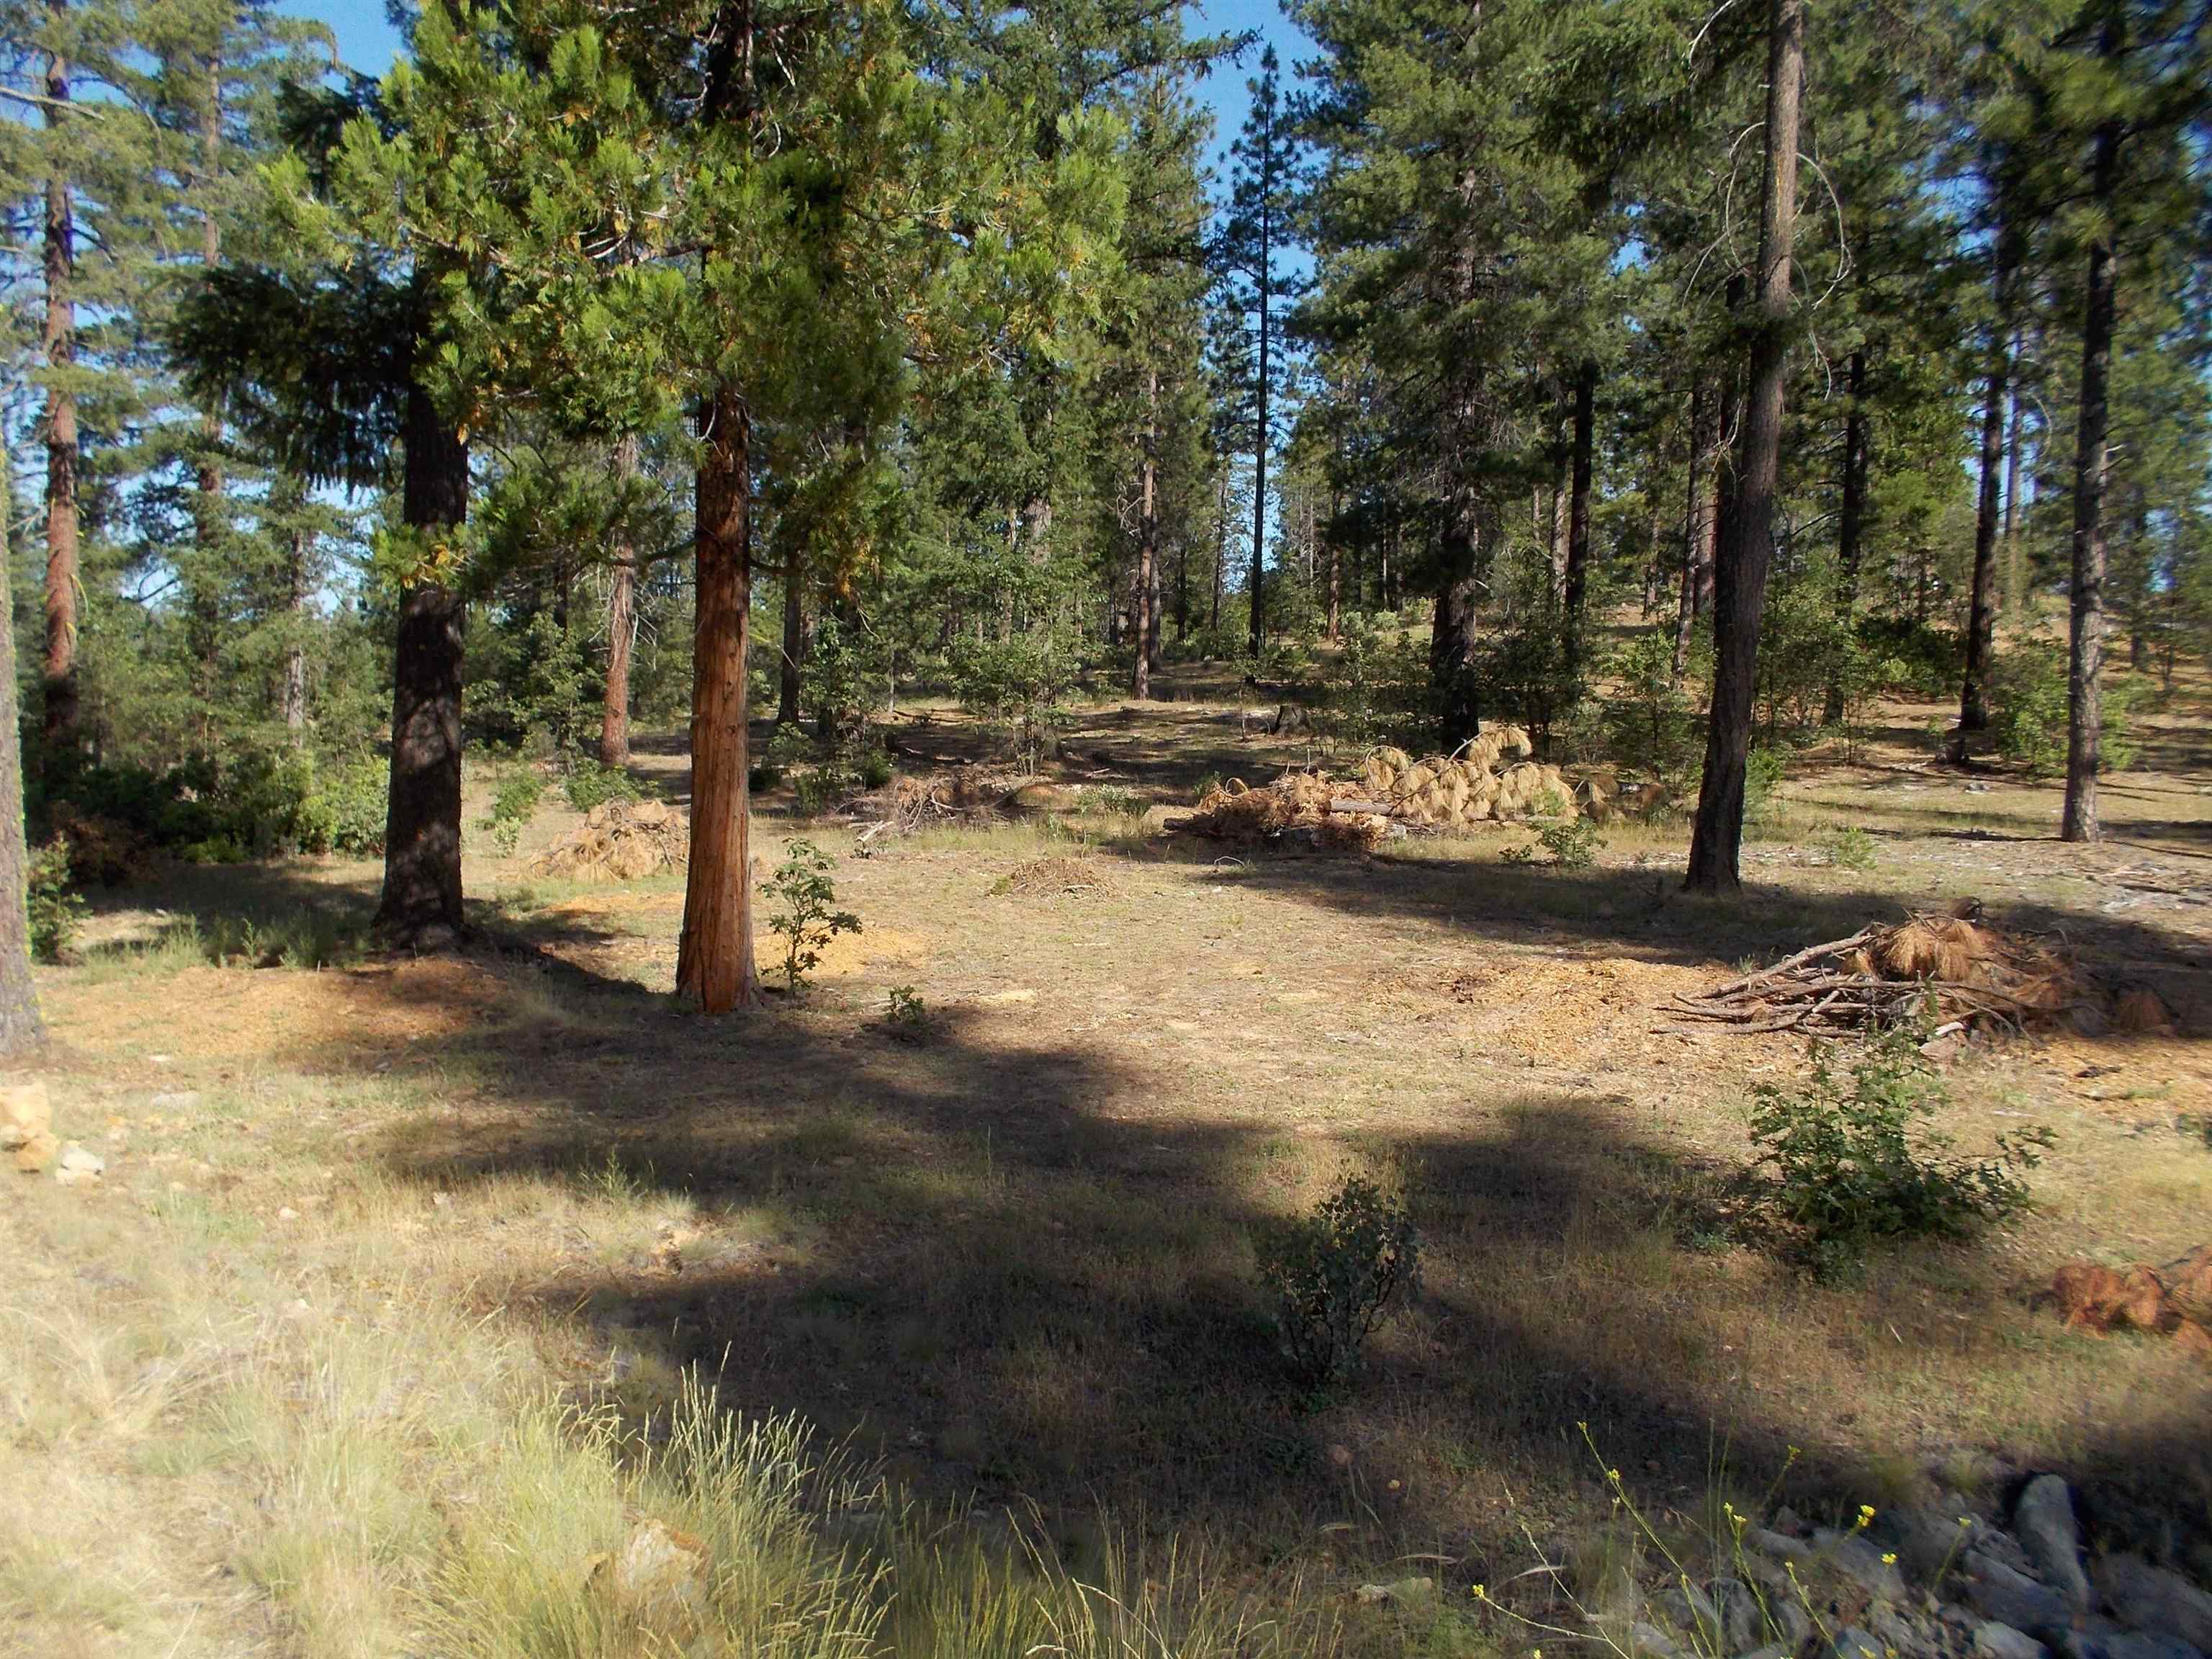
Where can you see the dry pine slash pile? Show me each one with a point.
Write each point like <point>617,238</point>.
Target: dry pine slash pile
<point>1962,973</point>
<point>1443,792</point>
<point>621,840</point>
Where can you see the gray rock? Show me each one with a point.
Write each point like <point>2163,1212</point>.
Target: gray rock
<point>1771,1650</point>
<point>2146,1645</point>
<point>177,1100</point>
<point>76,1164</point>
<point>1993,1640</point>
<point>1742,1620</point>
<point>2010,1597</point>
<point>1648,1639</point>
<point>2043,1521</point>
<point>1857,1556</point>
<point>1689,1608</point>
<point>1780,1546</point>
<point>1930,1538</point>
<point>1789,1615</point>
<point>1852,1643</point>
<point>1898,1631</point>
<point>2152,1600</point>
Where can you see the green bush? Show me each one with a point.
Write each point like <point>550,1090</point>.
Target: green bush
<point>1335,1274</point>
<point>2027,687</point>
<point>512,804</point>
<point>1851,848</point>
<point>803,896</point>
<point>1019,685</point>
<point>56,910</point>
<point>1853,1161</point>
<point>875,769</point>
<point>350,802</point>
<point>1763,772</point>
<point>591,784</point>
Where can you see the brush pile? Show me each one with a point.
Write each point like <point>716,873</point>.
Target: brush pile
<point>1963,974</point>
<point>1306,806</point>
<point>1474,786</point>
<point>961,796</point>
<point>621,840</point>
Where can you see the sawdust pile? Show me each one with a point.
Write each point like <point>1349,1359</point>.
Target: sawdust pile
<point>2174,1300</point>
<point>1056,875</point>
<point>1966,974</point>
<point>621,840</point>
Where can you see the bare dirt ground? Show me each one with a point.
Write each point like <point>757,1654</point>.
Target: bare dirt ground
<point>1014,1258</point>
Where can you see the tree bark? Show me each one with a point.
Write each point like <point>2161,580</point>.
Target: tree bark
<point>2015,583</point>
<point>1981,616</point>
<point>1148,545</point>
<point>1850,521</point>
<point>208,512</point>
<point>622,622</point>
<point>1746,548</point>
<point>421,906</point>
<point>714,961</point>
<point>792,658</point>
<point>294,695</point>
<point>1578,514</point>
<point>1699,522</point>
<point>22,1029</point>
<point>1453,630</point>
<point>2086,633</point>
<point>57,341</point>
<point>1220,550</point>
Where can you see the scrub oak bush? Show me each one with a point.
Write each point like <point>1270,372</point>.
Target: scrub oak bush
<point>1335,1275</point>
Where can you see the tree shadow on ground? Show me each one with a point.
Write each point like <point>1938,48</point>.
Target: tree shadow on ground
<point>986,1258</point>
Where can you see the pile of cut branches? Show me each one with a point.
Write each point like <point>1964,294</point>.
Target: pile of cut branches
<point>1956,974</point>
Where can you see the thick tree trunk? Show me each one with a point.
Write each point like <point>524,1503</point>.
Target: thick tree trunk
<point>1576,578</point>
<point>1981,617</point>
<point>714,961</point>
<point>57,341</point>
<point>1453,630</point>
<point>1148,546</point>
<point>1699,522</point>
<point>2086,641</point>
<point>1850,522</point>
<point>21,1030</point>
<point>421,906</point>
<point>1746,548</point>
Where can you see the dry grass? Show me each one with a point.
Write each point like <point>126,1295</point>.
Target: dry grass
<point>528,1197</point>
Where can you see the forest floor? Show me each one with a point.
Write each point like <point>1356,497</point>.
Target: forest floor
<point>347,1213</point>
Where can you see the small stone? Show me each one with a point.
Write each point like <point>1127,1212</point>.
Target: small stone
<point>178,1100</point>
<point>442,1200</point>
<point>1771,1650</point>
<point>1898,1631</point>
<point>77,1164</point>
<point>659,1571</point>
<point>2146,1598</point>
<point>1995,1641</point>
<point>1852,1643</point>
<point>1857,1557</point>
<point>287,1213</point>
<point>2043,1521</point>
<point>25,1113</point>
<point>1648,1639</point>
<point>37,1155</point>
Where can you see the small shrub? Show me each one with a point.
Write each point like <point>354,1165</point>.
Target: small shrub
<point>351,801</point>
<point>512,806</point>
<point>591,784</point>
<point>2028,687</point>
<point>1762,780</point>
<point>875,769</point>
<point>1853,1162</point>
<point>766,775</point>
<point>1109,799</point>
<point>803,895</point>
<point>1335,1274</point>
<point>815,790</point>
<point>1205,786</point>
<point>905,1015</point>
<point>1573,843</point>
<point>57,912</point>
<point>1851,848</point>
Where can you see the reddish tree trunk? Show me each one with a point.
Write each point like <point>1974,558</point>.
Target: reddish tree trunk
<point>1578,514</point>
<point>714,960</point>
<point>1981,619</point>
<point>1148,548</point>
<point>621,626</point>
<point>1747,548</point>
<point>1699,522</point>
<point>21,1030</point>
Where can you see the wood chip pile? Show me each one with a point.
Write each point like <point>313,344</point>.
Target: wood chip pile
<point>621,840</point>
<point>1967,975</point>
<point>1305,804</point>
<point>1056,875</point>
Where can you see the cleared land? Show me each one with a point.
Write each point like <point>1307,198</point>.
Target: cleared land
<point>355,1220</point>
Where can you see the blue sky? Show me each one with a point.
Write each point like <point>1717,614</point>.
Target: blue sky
<point>366,42</point>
